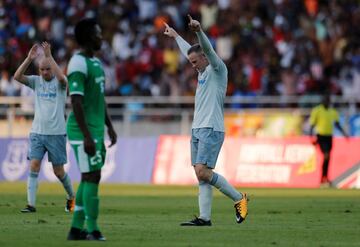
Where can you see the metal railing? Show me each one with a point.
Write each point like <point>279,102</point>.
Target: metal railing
<point>132,114</point>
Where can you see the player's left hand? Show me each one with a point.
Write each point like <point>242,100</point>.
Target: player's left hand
<point>47,48</point>
<point>194,25</point>
<point>89,146</point>
<point>113,136</point>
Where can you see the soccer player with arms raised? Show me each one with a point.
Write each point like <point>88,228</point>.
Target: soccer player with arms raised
<point>208,129</point>
<point>48,133</point>
<point>85,127</point>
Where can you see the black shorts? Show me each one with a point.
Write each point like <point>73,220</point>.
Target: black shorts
<point>325,143</point>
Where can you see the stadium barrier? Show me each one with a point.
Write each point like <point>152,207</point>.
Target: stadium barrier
<point>256,162</point>
<point>260,116</point>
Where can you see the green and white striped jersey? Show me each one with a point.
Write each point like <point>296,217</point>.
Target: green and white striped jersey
<point>86,77</point>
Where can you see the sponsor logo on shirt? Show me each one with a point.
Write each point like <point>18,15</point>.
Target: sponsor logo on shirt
<point>203,78</point>
<point>47,91</point>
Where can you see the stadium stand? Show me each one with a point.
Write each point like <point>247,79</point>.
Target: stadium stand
<point>280,47</point>
<point>280,53</point>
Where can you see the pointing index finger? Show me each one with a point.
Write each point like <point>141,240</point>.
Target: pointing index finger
<point>190,18</point>
<point>166,25</point>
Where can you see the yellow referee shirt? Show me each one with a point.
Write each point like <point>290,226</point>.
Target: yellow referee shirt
<point>323,119</point>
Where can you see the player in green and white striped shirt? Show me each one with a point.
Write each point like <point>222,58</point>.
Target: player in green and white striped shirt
<point>85,127</point>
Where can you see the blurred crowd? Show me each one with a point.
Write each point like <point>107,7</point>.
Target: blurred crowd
<point>271,47</point>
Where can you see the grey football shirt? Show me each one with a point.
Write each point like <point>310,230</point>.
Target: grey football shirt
<point>211,87</point>
<point>50,97</point>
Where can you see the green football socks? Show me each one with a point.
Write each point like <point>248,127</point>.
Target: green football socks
<point>79,215</point>
<point>91,205</point>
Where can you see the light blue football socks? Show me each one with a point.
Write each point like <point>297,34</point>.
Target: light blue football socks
<point>205,200</point>
<point>32,185</point>
<point>66,182</point>
<point>225,187</point>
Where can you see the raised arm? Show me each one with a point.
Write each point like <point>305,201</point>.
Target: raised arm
<point>57,71</point>
<point>19,73</point>
<point>205,44</point>
<point>183,45</point>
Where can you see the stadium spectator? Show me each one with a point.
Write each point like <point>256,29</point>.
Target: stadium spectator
<point>263,39</point>
<point>322,118</point>
<point>48,129</point>
<point>208,124</point>
<point>7,85</point>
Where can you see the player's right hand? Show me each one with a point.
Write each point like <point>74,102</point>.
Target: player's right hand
<point>33,53</point>
<point>89,146</point>
<point>169,31</point>
<point>314,141</point>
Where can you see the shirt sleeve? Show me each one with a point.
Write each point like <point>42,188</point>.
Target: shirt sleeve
<point>63,86</point>
<point>209,51</point>
<point>76,74</point>
<point>183,45</point>
<point>76,83</point>
<point>31,81</point>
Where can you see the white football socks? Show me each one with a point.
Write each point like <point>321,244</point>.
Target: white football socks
<point>225,187</point>
<point>205,200</point>
<point>32,185</point>
<point>66,182</point>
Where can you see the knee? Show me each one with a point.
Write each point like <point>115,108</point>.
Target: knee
<point>91,177</point>
<point>59,172</point>
<point>203,174</point>
<point>35,165</point>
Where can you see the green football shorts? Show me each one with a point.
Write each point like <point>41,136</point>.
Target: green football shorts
<point>84,161</point>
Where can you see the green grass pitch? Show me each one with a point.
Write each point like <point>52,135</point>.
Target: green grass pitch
<point>140,215</point>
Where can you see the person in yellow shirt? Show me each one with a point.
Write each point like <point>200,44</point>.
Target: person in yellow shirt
<point>323,118</point>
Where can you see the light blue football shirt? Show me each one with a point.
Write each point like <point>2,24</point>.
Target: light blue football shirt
<point>211,87</point>
<point>50,98</point>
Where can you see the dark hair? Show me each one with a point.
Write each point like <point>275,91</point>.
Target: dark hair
<point>194,48</point>
<point>83,30</point>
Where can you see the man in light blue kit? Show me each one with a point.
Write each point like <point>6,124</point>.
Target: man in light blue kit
<point>208,125</point>
<point>48,133</point>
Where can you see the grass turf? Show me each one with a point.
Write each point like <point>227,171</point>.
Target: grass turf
<point>137,215</point>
